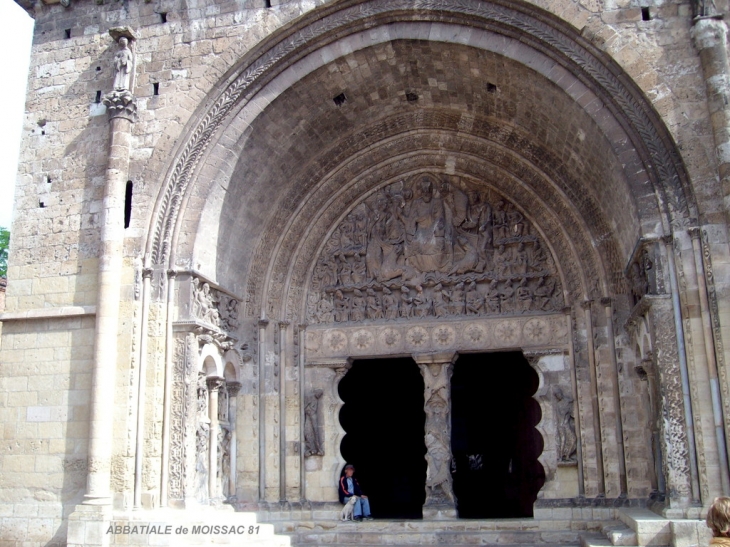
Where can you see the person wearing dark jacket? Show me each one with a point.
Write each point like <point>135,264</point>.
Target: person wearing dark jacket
<point>349,487</point>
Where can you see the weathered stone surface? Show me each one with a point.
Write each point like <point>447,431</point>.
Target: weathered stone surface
<point>285,187</point>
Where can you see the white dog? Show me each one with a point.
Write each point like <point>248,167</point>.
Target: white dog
<point>348,509</point>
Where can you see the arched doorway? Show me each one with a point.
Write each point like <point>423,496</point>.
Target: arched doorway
<point>384,420</point>
<point>494,441</point>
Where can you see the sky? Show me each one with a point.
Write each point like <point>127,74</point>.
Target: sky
<point>15,41</point>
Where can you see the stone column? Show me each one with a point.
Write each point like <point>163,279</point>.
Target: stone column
<point>709,34</point>
<point>214,384</point>
<point>436,370</point>
<point>282,408</point>
<point>121,107</point>
<point>233,389</point>
<point>708,342</point>
<point>595,403</point>
<point>608,307</point>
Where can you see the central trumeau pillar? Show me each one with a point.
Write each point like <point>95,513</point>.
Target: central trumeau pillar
<point>436,369</point>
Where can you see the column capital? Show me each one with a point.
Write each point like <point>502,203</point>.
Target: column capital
<point>708,32</point>
<point>121,104</point>
<point>444,358</point>
<point>215,382</point>
<point>233,388</point>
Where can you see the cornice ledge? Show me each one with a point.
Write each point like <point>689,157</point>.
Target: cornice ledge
<point>48,313</point>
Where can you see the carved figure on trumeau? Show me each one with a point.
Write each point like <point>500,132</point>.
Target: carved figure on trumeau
<point>123,66</point>
<point>437,406</point>
<point>312,441</point>
<point>567,440</point>
<point>418,246</point>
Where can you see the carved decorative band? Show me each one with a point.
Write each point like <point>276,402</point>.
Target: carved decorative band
<point>373,340</point>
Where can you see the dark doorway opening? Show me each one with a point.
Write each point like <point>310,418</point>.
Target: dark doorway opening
<point>384,419</point>
<point>493,439</point>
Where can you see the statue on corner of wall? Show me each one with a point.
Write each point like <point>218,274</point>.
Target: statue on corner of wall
<point>312,441</point>
<point>567,440</point>
<point>123,61</point>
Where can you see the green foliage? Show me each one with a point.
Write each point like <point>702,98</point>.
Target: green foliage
<point>4,241</point>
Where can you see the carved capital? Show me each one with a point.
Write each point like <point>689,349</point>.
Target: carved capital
<point>709,33</point>
<point>233,388</point>
<point>172,273</point>
<point>121,104</point>
<point>606,301</point>
<point>147,273</point>
<point>215,382</point>
<point>263,323</point>
<point>586,304</point>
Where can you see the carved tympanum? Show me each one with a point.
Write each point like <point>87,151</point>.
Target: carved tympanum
<point>432,247</point>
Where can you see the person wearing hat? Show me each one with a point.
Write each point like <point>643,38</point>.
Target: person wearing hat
<point>349,487</point>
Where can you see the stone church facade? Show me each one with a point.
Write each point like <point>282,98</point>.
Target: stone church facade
<point>225,208</point>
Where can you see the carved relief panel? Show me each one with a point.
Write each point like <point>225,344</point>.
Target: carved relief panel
<point>432,247</point>
<point>202,303</point>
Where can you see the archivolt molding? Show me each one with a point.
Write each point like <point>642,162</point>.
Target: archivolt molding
<point>301,239</point>
<point>433,133</point>
<point>329,23</point>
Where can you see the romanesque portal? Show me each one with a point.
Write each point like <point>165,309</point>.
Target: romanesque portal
<point>510,209</point>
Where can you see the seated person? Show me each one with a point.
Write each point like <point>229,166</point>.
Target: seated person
<point>349,487</point>
<point>718,520</point>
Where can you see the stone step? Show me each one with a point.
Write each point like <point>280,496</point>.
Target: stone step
<point>620,534</point>
<point>451,533</point>
<point>467,525</point>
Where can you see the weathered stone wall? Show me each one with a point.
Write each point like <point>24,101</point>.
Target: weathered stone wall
<point>181,63</point>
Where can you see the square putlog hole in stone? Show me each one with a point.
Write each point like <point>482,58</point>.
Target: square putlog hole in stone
<point>340,99</point>
<point>411,97</point>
